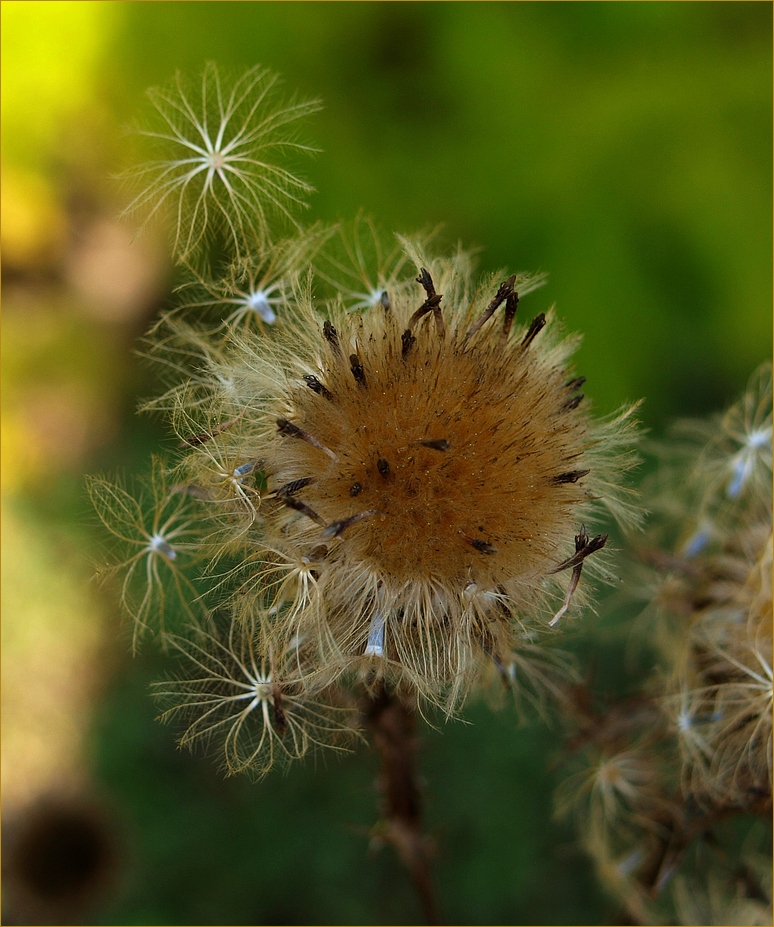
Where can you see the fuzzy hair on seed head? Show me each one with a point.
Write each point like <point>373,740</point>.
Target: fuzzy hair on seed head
<point>434,465</point>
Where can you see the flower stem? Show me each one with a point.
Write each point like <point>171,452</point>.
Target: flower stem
<point>391,720</point>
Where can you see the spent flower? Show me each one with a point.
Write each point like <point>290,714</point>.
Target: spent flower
<point>706,567</point>
<point>418,451</point>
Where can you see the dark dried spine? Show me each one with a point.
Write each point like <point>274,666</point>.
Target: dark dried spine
<point>357,369</point>
<point>535,327</point>
<point>317,387</point>
<point>571,477</point>
<point>331,336</point>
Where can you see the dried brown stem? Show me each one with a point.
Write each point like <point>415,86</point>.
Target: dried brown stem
<point>391,722</point>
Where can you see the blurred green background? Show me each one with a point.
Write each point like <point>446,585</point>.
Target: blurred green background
<point>624,148</point>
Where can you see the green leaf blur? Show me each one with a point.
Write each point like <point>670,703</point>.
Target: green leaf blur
<point>626,149</point>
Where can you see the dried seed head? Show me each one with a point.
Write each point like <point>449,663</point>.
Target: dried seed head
<point>440,455</point>
<point>709,577</point>
<point>490,506</point>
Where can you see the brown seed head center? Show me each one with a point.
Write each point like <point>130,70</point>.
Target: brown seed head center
<point>455,448</point>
